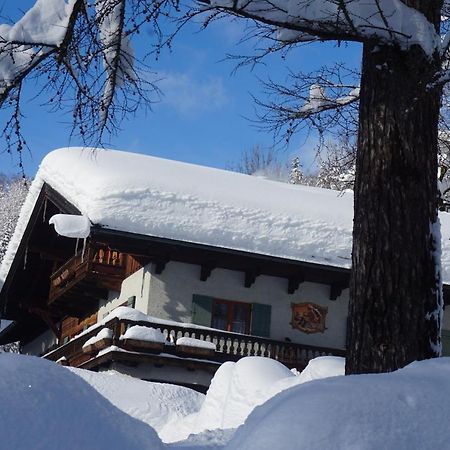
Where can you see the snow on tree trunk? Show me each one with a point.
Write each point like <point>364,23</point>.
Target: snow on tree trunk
<point>395,306</point>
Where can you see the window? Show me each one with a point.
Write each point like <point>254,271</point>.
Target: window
<point>231,316</point>
<point>228,315</point>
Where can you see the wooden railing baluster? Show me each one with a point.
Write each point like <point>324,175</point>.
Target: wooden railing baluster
<point>229,346</point>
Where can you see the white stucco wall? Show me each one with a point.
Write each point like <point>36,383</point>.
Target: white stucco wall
<point>170,297</point>
<point>136,285</point>
<point>40,345</point>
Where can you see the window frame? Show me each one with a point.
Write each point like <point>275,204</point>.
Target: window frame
<point>231,304</point>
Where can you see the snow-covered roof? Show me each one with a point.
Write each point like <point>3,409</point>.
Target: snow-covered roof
<point>170,199</point>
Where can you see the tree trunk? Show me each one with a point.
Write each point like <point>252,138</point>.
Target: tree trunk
<point>395,290</point>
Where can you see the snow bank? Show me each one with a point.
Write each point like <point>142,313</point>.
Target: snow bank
<point>152,403</point>
<point>237,388</point>
<point>323,367</point>
<point>144,334</point>
<point>197,343</point>
<point>404,410</point>
<point>45,407</point>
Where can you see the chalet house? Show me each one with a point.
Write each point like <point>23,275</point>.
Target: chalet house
<point>110,243</point>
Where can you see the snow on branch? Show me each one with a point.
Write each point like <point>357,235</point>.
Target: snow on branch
<point>389,21</point>
<point>325,101</point>
<point>30,40</point>
<point>117,50</point>
<point>80,53</point>
<point>318,102</point>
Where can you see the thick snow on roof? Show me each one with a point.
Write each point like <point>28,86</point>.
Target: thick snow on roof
<point>163,198</point>
<point>157,197</point>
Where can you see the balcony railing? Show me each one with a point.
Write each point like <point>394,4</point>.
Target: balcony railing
<point>101,267</point>
<point>229,346</point>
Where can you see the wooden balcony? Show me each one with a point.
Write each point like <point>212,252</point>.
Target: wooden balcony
<point>229,347</point>
<point>78,285</point>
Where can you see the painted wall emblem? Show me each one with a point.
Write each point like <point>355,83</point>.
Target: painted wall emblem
<point>308,317</point>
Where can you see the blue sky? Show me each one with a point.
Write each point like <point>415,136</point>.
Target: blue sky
<point>201,117</point>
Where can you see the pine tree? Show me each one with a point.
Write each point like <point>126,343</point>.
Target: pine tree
<point>296,175</point>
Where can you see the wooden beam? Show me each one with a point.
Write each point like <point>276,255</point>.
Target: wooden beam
<point>48,254</point>
<point>294,283</point>
<point>205,271</point>
<point>160,265</point>
<point>45,316</point>
<point>250,277</point>
<point>336,291</point>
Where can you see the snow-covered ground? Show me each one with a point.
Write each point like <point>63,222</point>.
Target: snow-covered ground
<point>44,406</point>
<point>156,404</point>
<point>254,404</point>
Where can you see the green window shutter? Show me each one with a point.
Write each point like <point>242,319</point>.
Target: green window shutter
<point>202,310</point>
<point>261,319</point>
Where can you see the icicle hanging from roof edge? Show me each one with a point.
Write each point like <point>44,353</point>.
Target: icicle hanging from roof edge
<point>25,258</point>
<point>84,249</point>
<point>45,210</point>
<point>143,281</point>
<point>76,246</point>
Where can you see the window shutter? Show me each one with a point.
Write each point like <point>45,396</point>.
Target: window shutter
<point>261,319</point>
<point>201,310</point>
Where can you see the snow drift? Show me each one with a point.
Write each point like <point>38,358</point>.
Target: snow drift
<point>44,406</point>
<point>237,388</point>
<point>403,410</point>
<point>153,403</point>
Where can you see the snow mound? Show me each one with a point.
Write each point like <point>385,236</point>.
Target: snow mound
<point>323,367</point>
<point>197,343</point>
<point>152,403</point>
<point>234,391</point>
<point>403,410</point>
<point>142,333</point>
<point>104,333</point>
<point>44,406</point>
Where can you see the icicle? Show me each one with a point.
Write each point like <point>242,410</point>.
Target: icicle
<point>76,246</point>
<point>25,258</point>
<point>143,281</point>
<point>45,210</point>
<point>84,248</point>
